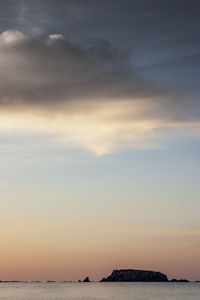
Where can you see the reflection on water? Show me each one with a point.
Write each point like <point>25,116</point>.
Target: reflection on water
<point>100,291</point>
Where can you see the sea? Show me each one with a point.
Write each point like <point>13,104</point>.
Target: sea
<point>100,291</point>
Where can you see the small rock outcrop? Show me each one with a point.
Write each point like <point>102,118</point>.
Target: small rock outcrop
<point>86,279</point>
<point>135,276</point>
<point>179,280</point>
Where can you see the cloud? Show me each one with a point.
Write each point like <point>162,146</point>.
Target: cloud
<point>57,71</point>
<point>88,96</point>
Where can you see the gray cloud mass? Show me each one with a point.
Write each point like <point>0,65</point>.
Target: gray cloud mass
<point>90,95</point>
<point>55,70</point>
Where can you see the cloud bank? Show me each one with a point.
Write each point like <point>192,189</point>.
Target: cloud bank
<point>88,96</point>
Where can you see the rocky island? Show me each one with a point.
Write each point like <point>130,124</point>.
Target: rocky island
<point>130,275</point>
<point>86,279</point>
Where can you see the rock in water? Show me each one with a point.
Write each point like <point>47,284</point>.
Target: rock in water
<point>135,275</point>
<point>179,280</point>
<point>86,279</point>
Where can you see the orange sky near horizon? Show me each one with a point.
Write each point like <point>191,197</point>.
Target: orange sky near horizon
<point>99,138</point>
<point>50,254</point>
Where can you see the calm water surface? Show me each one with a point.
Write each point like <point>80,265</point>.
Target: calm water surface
<point>100,291</point>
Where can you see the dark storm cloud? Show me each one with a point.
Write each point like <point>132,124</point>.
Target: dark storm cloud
<point>34,71</point>
<point>157,30</point>
<point>54,72</point>
<point>118,75</point>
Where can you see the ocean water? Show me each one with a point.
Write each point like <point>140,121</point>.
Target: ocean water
<point>100,291</point>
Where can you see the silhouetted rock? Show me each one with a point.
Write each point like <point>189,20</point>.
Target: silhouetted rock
<point>174,280</point>
<point>135,275</point>
<point>183,280</point>
<point>179,280</point>
<point>86,279</point>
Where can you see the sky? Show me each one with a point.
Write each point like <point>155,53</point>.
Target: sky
<point>99,138</point>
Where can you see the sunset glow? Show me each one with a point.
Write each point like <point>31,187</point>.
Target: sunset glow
<point>99,139</point>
